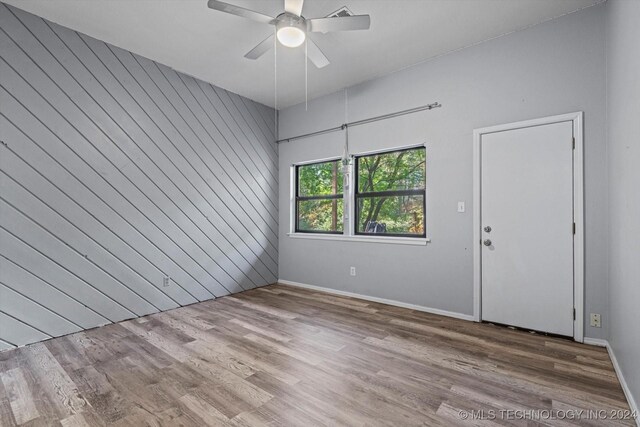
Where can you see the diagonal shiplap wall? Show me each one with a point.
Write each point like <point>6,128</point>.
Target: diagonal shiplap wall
<point>116,172</point>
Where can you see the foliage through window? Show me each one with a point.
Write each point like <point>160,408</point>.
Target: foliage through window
<point>390,193</point>
<point>319,198</point>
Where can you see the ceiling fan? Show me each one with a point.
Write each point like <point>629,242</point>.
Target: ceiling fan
<point>292,27</point>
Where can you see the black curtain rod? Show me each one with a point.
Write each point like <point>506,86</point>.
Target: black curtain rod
<point>363,122</point>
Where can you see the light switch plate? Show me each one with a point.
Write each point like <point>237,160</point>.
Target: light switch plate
<point>460,207</point>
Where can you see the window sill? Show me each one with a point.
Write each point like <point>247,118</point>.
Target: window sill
<point>412,241</point>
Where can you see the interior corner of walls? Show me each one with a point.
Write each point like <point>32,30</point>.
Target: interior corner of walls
<point>622,94</point>
<point>625,382</point>
<point>631,398</point>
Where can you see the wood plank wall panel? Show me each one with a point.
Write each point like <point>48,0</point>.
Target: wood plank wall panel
<point>116,172</point>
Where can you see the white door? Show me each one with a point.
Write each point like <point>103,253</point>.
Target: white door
<point>527,227</point>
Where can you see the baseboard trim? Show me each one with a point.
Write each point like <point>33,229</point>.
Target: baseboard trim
<point>596,342</point>
<point>625,387</point>
<point>380,300</point>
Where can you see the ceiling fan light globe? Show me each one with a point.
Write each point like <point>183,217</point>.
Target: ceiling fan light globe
<point>291,36</point>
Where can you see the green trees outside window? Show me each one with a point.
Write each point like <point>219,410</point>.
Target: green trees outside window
<point>389,195</point>
<point>319,198</point>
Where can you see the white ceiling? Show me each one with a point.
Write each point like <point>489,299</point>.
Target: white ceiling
<point>210,45</point>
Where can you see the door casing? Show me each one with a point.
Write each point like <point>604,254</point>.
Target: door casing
<point>578,209</point>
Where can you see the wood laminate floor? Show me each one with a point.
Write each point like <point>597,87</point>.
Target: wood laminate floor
<point>286,356</point>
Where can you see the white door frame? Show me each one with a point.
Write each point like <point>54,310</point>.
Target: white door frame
<point>578,213</point>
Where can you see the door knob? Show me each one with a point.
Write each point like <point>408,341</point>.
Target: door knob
<point>487,242</point>
<point>487,229</point>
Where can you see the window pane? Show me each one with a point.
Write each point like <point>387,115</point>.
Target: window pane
<point>400,170</point>
<point>320,215</point>
<point>391,215</point>
<point>320,179</point>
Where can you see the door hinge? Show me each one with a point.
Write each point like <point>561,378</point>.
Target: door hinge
<point>574,314</point>
<point>574,228</point>
<point>573,143</point>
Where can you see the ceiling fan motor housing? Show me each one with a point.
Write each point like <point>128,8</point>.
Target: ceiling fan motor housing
<point>291,20</point>
<point>291,29</point>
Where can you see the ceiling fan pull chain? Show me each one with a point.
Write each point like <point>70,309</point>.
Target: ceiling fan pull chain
<point>306,77</point>
<point>275,73</point>
<point>346,105</point>
<point>346,162</point>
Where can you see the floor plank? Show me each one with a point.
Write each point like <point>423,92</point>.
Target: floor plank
<point>281,355</point>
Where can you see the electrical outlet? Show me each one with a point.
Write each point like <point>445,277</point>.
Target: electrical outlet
<point>165,281</point>
<point>352,271</point>
<point>595,320</point>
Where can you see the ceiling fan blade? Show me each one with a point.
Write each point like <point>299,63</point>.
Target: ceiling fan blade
<point>315,55</point>
<point>240,11</point>
<point>261,49</point>
<point>293,6</point>
<point>339,23</point>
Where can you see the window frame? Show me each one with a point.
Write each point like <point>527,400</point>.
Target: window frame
<point>392,193</point>
<point>297,197</point>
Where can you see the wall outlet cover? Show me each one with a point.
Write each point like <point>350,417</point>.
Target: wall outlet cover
<point>595,320</point>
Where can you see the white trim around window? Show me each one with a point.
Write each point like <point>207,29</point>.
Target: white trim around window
<point>349,199</point>
<point>392,240</point>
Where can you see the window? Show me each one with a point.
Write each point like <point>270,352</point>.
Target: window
<point>386,198</point>
<point>319,199</point>
<point>390,193</point>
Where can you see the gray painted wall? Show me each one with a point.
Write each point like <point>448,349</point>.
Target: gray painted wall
<point>623,102</point>
<point>553,68</point>
<point>115,172</point>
